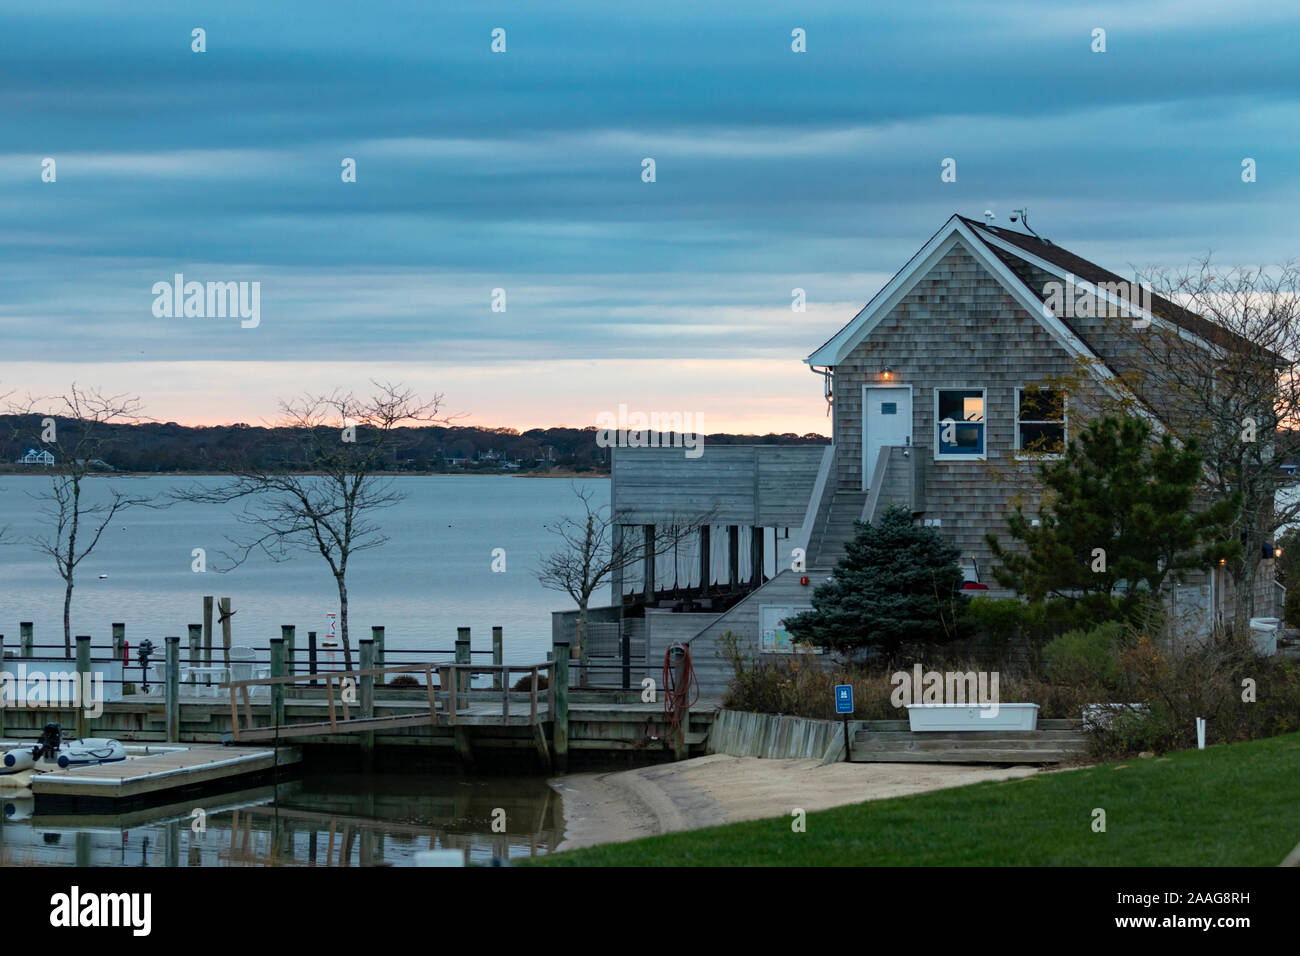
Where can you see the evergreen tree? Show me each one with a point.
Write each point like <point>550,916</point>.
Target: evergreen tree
<point>896,584</point>
<point>1118,520</point>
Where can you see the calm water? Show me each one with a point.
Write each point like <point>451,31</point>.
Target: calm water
<point>433,575</point>
<point>320,820</point>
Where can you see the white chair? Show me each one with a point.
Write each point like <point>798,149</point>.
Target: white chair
<point>244,666</point>
<point>157,680</point>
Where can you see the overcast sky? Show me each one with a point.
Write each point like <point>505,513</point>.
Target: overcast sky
<point>523,171</point>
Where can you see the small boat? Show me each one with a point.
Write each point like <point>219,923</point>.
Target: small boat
<point>102,576</point>
<point>51,752</point>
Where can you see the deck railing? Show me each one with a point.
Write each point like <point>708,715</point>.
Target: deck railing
<point>346,689</point>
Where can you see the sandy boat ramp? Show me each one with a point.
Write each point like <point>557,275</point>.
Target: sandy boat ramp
<point>717,789</point>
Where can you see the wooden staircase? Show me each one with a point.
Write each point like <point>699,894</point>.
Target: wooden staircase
<point>890,741</point>
<point>834,527</point>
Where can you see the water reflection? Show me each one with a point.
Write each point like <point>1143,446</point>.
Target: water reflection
<point>322,820</point>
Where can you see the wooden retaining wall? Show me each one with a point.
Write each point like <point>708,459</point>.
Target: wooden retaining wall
<point>776,736</point>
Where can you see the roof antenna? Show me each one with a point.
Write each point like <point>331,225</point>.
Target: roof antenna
<point>1024,214</point>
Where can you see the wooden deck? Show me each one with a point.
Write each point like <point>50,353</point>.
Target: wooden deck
<point>156,772</point>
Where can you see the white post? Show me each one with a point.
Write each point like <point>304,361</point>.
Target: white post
<point>1200,733</point>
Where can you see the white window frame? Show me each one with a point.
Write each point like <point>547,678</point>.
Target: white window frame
<point>1022,454</point>
<point>934,425</point>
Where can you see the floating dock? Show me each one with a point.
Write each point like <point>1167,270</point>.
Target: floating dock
<point>154,775</point>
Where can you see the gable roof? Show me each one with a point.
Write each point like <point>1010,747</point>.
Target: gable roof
<point>957,230</point>
<point>1002,251</point>
<point>1052,258</point>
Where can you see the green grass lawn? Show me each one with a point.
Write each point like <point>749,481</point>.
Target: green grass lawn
<point>1230,805</point>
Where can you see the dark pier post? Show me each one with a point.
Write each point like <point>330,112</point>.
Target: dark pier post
<point>560,706</point>
<point>311,655</point>
<point>756,542</point>
<point>119,640</point>
<point>25,638</point>
<point>173,698</point>
<point>463,658</point>
<point>367,694</point>
<point>498,657</point>
<point>83,682</point>
<point>377,635</point>
<point>207,629</point>
<point>277,670</point>
<point>462,695</point>
<point>196,648</point>
<point>290,640</point>
<point>224,607</point>
<point>2,715</point>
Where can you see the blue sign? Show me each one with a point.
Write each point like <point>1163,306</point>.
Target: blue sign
<point>843,698</point>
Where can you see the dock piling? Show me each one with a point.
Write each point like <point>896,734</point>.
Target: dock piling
<point>224,607</point>
<point>173,696</point>
<point>311,655</point>
<point>377,635</point>
<point>367,694</point>
<point>196,643</point>
<point>560,706</point>
<point>462,681</point>
<point>462,657</point>
<point>207,630</point>
<point>25,638</point>
<point>119,640</point>
<point>83,680</point>
<point>277,670</point>
<point>498,659</point>
<point>290,639</point>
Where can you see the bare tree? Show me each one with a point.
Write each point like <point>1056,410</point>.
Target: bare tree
<point>1236,390</point>
<point>590,554</point>
<point>321,500</point>
<point>77,429</point>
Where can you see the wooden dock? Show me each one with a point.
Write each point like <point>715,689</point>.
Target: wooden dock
<point>151,774</point>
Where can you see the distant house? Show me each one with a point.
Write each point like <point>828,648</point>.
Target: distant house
<point>97,464</point>
<point>34,457</point>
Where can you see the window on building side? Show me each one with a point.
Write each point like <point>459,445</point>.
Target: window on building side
<point>1040,420</point>
<point>959,422</point>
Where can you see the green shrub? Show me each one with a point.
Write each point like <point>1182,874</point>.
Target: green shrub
<point>1086,657</point>
<point>1214,679</point>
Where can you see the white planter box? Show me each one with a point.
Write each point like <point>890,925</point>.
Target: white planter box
<point>923,717</point>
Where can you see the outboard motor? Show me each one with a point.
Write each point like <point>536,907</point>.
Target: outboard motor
<point>47,747</point>
<point>143,653</point>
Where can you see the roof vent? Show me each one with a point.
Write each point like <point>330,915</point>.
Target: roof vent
<point>989,217</point>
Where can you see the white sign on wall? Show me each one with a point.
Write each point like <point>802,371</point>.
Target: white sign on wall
<point>773,636</point>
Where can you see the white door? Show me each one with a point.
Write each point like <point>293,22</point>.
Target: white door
<point>888,421</point>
